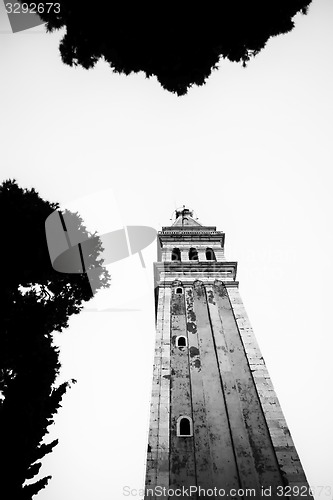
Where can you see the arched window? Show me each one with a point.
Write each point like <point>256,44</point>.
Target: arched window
<point>210,254</point>
<point>193,254</point>
<point>181,341</point>
<point>179,290</point>
<point>184,427</point>
<point>175,255</point>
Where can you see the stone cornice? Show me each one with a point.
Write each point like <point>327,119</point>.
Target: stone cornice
<point>192,235</point>
<point>199,229</point>
<point>194,270</point>
<point>207,265</point>
<point>186,282</point>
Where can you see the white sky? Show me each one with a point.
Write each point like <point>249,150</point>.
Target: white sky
<point>251,152</point>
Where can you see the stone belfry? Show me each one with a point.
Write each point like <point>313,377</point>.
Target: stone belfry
<point>215,420</point>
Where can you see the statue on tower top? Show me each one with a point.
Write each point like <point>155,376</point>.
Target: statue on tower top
<point>185,217</point>
<point>183,212</point>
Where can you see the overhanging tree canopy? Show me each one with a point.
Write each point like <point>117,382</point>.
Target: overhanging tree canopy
<point>178,42</point>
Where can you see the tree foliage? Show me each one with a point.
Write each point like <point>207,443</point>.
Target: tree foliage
<point>36,300</point>
<point>179,42</point>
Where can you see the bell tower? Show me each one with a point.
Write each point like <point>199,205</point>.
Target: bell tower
<point>216,426</point>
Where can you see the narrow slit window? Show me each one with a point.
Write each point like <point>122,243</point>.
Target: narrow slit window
<point>181,341</point>
<point>184,427</point>
<point>210,254</point>
<point>193,254</point>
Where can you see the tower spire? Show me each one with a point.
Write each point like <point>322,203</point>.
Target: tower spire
<point>184,217</point>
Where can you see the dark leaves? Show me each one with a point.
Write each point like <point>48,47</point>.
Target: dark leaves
<point>180,43</point>
<point>36,301</point>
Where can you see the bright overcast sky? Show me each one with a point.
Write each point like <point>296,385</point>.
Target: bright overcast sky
<point>251,152</point>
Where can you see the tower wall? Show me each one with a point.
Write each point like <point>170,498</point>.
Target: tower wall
<point>287,457</point>
<point>157,468</point>
<point>218,465</point>
<point>182,456</point>
<point>218,381</point>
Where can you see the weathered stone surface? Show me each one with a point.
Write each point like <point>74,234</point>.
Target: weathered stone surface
<point>219,380</point>
<point>289,463</point>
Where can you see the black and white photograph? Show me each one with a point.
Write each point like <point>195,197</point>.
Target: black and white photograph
<point>166,209</point>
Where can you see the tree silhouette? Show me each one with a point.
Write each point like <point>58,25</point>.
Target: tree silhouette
<point>179,42</point>
<point>36,300</point>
